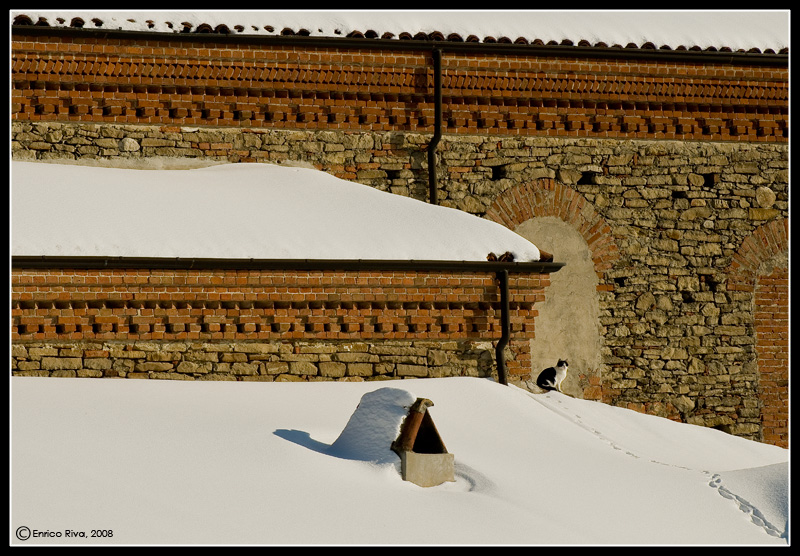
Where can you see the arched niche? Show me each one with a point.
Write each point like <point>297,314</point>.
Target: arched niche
<point>560,221</point>
<point>568,323</point>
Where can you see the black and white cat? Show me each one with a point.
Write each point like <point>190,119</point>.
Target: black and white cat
<point>552,377</point>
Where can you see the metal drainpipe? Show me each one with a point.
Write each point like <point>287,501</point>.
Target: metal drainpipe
<point>437,118</point>
<point>505,325</point>
<point>388,265</point>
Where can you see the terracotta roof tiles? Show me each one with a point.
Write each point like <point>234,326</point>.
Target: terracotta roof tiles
<point>153,24</point>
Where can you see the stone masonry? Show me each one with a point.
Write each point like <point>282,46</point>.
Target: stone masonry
<point>677,220</point>
<point>255,361</point>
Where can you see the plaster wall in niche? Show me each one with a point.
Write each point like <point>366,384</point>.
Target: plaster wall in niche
<point>568,324</point>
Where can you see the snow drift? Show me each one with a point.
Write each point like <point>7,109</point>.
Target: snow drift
<point>304,463</point>
<point>246,210</point>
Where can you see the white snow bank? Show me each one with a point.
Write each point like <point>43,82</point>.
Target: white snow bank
<point>374,425</point>
<point>247,210</point>
<point>302,463</point>
<point>737,29</point>
<point>762,493</point>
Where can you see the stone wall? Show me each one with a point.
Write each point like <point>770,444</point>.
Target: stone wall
<point>254,360</point>
<point>669,227</point>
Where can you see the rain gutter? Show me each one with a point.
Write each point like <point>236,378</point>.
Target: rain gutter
<point>196,263</point>
<point>500,268</point>
<point>525,49</point>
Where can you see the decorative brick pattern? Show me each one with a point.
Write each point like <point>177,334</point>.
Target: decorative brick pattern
<point>270,306</point>
<point>212,83</point>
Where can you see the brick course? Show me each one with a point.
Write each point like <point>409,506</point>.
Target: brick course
<point>270,307</point>
<point>193,82</point>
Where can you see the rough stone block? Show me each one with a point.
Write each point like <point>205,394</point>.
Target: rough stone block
<point>59,363</point>
<point>332,369</point>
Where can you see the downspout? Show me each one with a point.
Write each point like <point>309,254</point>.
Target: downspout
<point>437,132</point>
<point>505,326</point>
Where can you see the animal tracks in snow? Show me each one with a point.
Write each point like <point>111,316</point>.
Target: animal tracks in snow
<point>573,417</point>
<point>755,515</point>
<point>555,404</point>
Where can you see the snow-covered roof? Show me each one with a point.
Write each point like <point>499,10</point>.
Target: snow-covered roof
<point>237,211</point>
<point>531,469</point>
<point>735,30</point>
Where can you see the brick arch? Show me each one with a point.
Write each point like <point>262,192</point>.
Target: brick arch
<point>547,197</point>
<point>769,285</point>
<point>767,241</point>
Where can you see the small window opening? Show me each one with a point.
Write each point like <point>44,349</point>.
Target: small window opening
<point>498,172</point>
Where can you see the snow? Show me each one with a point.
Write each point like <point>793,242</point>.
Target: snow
<point>237,211</point>
<point>287,463</point>
<point>737,29</point>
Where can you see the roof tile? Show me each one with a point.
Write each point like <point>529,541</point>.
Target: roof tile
<point>151,24</point>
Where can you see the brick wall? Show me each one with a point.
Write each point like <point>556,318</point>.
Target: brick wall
<point>202,81</point>
<point>438,316</point>
<point>772,345</point>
